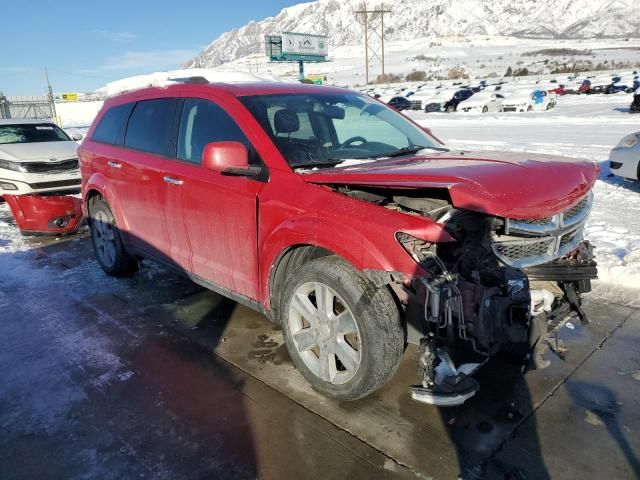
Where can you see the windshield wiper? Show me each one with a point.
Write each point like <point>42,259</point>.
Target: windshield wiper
<point>329,162</point>
<point>412,149</point>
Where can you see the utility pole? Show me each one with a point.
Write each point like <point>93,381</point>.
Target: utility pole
<point>373,21</point>
<point>51,99</point>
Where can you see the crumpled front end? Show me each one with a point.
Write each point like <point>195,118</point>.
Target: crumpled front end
<point>503,285</point>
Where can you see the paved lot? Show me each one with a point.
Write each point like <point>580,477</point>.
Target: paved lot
<point>153,377</point>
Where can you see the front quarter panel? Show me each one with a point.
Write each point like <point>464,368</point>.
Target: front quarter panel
<point>362,233</point>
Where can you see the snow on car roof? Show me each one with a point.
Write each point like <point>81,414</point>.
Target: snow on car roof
<point>161,79</point>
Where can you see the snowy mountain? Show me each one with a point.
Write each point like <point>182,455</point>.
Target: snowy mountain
<point>412,19</point>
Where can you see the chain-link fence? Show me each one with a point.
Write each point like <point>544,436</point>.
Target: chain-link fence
<point>39,107</point>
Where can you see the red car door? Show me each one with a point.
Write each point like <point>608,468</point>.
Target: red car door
<point>140,168</point>
<point>217,213</point>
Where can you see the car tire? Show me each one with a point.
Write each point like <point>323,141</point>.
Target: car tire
<point>451,109</point>
<point>354,345</point>
<point>485,109</point>
<point>107,243</point>
<point>529,108</point>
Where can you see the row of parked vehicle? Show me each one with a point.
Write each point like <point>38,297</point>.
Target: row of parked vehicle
<point>502,96</point>
<point>495,98</point>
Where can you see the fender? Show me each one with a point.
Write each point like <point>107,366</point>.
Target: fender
<point>336,237</point>
<point>98,182</point>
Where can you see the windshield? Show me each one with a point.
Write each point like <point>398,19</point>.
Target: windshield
<point>326,129</point>
<point>31,133</point>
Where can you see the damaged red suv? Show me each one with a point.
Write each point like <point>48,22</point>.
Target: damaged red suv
<point>351,226</point>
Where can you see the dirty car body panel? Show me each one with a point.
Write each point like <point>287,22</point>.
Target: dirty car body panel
<point>451,235</point>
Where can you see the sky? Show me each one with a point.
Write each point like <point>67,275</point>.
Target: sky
<point>85,44</point>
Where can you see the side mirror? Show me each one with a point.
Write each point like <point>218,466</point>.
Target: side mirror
<point>77,137</point>
<point>229,158</point>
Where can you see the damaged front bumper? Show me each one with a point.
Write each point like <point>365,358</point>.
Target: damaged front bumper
<point>462,323</point>
<point>46,214</point>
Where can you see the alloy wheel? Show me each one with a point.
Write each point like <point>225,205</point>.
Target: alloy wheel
<point>325,333</point>
<point>104,238</point>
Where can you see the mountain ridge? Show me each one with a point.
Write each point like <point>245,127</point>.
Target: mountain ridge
<point>410,19</point>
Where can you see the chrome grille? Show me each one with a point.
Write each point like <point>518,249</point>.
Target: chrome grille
<point>529,242</point>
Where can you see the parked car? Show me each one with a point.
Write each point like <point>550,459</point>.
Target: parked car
<point>600,84</point>
<point>617,85</point>
<point>337,217</point>
<point>527,100</point>
<point>37,156</point>
<point>624,159</point>
<point>558,89</point>
<point>482,102</point>
<point>400,103</point>
<point>635,103</point>
<point>585,87</point>
<point>446,101</point>
<point>573,87</point>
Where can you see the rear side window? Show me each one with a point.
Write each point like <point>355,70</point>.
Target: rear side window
<point>149,127</point>
<point>204,122</point>
<point>112,124</point>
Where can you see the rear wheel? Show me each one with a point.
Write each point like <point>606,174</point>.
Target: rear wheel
<point>107,244</point>
<point>343,334</point>
<point>529,108</point>
<point>451,109</point>
<point>485,109</point>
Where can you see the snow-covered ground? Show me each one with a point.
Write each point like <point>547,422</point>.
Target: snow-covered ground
<point>479,56</point>
<point>580,126</point>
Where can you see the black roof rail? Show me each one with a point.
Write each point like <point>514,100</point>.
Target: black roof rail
<point>197,80</point>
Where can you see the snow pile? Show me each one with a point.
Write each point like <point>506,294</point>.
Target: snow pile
<point>73,115</point>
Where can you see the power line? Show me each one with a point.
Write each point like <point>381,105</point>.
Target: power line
<point>373,21</point>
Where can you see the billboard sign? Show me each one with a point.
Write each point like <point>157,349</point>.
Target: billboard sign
<point>304,44</point>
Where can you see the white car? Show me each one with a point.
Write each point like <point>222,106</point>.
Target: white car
<point>37,156</point>
<point>482,102</point>
<point>624,159</point>
<point>528,100</point>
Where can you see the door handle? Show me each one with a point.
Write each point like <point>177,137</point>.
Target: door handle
<point>113,164</point>
<point>172,181</point>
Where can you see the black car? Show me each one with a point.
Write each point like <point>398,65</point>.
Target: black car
<point>451,104</point>
<point>400,103</point>
<point>635,104</point>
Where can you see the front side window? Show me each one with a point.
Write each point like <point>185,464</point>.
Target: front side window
<point>31,133</point>
<point>324,129</point>
<point>149,127</point>
<point>204,122</point>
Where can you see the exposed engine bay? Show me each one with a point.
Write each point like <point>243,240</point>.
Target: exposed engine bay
<point>502,285</point>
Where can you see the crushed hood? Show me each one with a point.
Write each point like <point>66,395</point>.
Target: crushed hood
<point>41,151</point>
<point>505,184</point>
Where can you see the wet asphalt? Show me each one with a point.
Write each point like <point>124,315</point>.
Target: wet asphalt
<point>154,377</point>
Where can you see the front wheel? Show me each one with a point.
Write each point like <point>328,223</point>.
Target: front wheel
<point>107,244</point>
<point>451,109</point>
<point>485,109</point>
<point>343,334</point>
